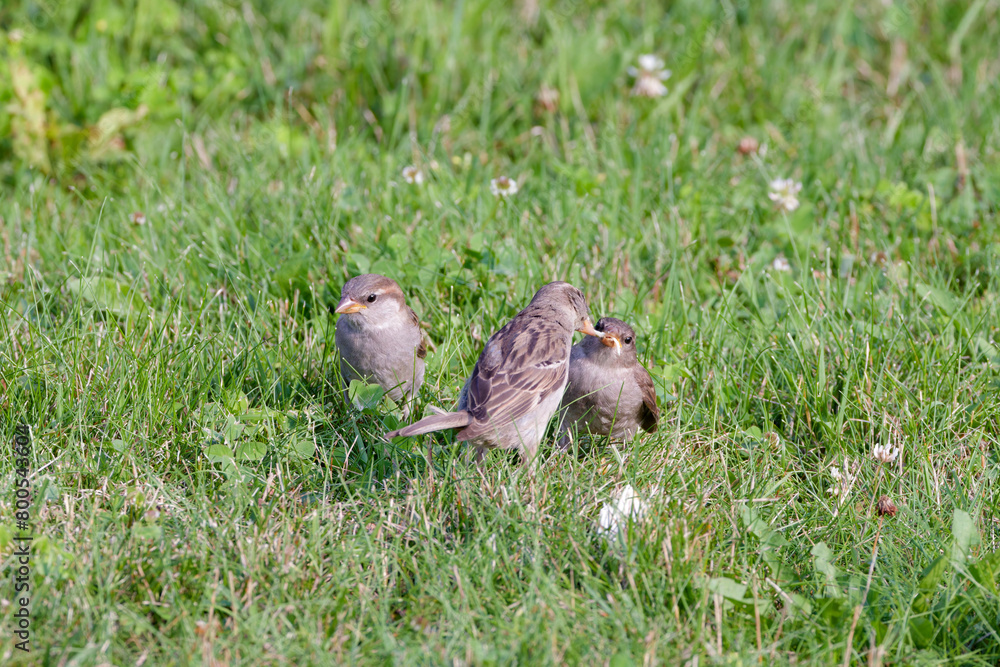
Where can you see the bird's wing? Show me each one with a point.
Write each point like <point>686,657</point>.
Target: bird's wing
<point>422,346</point>
<point>521,365</point>
<point>651,413</point>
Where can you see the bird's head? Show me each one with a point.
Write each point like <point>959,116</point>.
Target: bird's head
<point>370,296</point>
<point>618,336</point>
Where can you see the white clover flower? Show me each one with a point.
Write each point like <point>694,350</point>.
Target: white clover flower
<point>412,175</point>
<point>784,193</point>
<point>615,515</point>
<point>843,479</point>
<point>503,187</point>
<point>649,76</point>
<point>781,264</point>
<point>885,453</point>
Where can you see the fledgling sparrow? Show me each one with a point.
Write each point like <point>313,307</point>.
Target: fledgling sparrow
<point>379,338</point>
<point>609,392</point>
<point>519,379</point>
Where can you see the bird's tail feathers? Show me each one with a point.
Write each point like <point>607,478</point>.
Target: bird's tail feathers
<point>435,422</point>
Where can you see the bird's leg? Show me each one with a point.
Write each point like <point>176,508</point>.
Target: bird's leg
<point>566,441</point>
<point>529,454</point>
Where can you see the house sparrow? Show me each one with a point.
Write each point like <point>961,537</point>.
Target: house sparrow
<point>378,337</point>
<point>609,392</point>
<point>520,376</point>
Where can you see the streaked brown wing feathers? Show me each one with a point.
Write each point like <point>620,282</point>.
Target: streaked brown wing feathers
<point>651,413</point>
<point>523,364</point>
<point>422,347</point>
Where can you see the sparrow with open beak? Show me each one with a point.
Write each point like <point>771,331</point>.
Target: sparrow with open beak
<point>609,391</point>
<point>519,379</point>
<point>378,337</point>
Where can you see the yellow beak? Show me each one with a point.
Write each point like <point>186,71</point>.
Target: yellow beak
<point>589,329</point>
<point>612,341</point>
<point>348,306</point>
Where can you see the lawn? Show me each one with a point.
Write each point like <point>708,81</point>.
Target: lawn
<point>185,185</point>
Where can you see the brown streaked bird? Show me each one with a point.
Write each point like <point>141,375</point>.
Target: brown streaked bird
<point>609,392</point>
<point>519,379</point>
<point>378,337</point>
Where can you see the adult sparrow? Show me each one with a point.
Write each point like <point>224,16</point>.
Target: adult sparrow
<point>519,379</point>
<point>378,337</point>
<point>609,392</point>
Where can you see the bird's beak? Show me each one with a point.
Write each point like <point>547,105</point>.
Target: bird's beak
<point>612,341</point>
<point>589,329</point>
<point>348,306</point>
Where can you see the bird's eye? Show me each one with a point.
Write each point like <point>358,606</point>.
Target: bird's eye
<point>372,297</point>
<point>628,340</point>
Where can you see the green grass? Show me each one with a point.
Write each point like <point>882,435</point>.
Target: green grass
<point>204,495</point>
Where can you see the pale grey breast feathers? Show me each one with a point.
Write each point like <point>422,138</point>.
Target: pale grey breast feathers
<point>609,391</point>
<point>378,336</point>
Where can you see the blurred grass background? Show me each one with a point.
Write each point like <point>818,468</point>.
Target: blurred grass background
<point>184,187</point>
